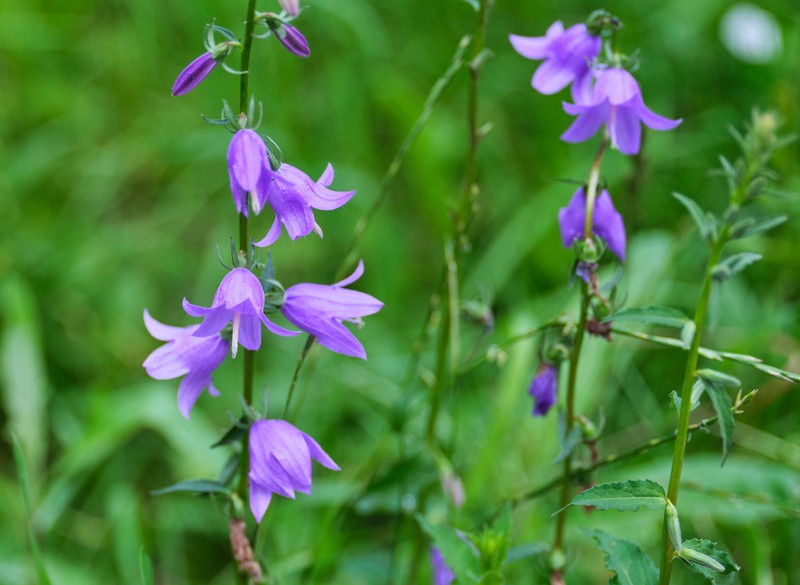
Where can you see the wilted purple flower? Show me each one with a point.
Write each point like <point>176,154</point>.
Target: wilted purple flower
<point>442,574</point>
<point>249,170</point>
<point>617,102</point>
<point>606,222</point>
<point>566,54</point>
<point>239,298</point>
<point>185,354</point>
<point>319,309</point>
<point>292,39</point>
<point>280,462</point>
<point>290,6</point>
<point>544,388</point>
<point>292,195</point>
<point>194,73</point>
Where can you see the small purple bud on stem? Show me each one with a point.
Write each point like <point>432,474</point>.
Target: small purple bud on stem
<point>292,39</point>
<point>290,6</point>
<point>194,73</point>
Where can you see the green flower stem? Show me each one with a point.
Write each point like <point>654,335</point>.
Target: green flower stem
<point>296,376</point>
<point>686,402</point>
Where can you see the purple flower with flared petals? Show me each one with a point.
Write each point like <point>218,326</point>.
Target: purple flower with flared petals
<point>544,388</point>
<point>441,573</point>
<point>240,299</point>
<point>290,6</point>
<point>280,462</point>
<point>606,222</point>
<point>319,309</point>
<point>185,354</point>
<point>617,102</point>
<point>292,39</point>
<point>194,73</point>
<point>249,170</point>
<point>566,55</point>
<point>292,195</point>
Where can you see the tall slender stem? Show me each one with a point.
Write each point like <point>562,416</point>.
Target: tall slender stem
<point>296,376</point>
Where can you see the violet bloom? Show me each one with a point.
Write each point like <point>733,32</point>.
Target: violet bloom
<point>292,39</point>
<point>290,6</point>
<point>280,462</point>
<point>239,298</point>
<point>185,354</point>
<point>566,55</point>
<point>606,222</point>
<point>319,309</point>
<point>292,195</point>
<point>442,574</point>
<point>249,170</point>
<point>617,102</point>
<point>194,73</point>
<point>544,388</point>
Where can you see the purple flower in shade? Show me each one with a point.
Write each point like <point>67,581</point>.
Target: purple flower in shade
<point>617,102</point>
<point>292,195</point>
<point>319,309</point>
<point>292,39</point>
<point>239,298</point>
<point>249,170</point>
<point>280,462</point>
<point>442,574</point>
<point>290,6</point>
<point>606,222</point>
<point>544,388</point>
<point>194,73</point>
<point>566,55</point>
<point>185,354</point>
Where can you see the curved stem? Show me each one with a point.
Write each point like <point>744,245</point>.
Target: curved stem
<point>296,376</point>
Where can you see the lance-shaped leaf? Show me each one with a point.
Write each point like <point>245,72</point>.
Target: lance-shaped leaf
<point>719,378</point>
<point>751,226</point>
<point>705,223</point>
<point>733,265</point>
<point>629,562</point>
<point>705,558</point>
<point>723,407</point>
<point>665,316</point>
<point>201,487</point>
<point>457,553</point>
<point>623,495</point>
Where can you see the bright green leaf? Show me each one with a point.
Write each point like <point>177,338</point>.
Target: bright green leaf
<point>624,495</point>
<point>705,558</point>
<point>655,315</point>
<point>630,564</point>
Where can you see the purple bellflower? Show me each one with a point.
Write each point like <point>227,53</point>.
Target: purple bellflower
<point>617,102</point>
<point>290,6</point>
<point>185,354</point>
<point>292,39</point>
<point>249,170</point>
<point>606,222</point>
<point>239,298</point>
<point>280,462</point>
<point>442,574</point>
<point>292,195</point>
<point>566,54</point>
<point>544,388</point>
<point>319,309</point>
<point>194,73</point>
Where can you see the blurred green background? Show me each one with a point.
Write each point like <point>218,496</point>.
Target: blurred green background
<point>114,195</point>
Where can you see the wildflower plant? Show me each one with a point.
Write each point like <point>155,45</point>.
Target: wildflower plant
<point>273,456</point>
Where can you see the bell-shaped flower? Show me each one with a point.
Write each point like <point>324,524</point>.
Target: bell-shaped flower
<point>249,170</point>
<point>194,73</point>
<point>292,195</point>
<point>239,299</point>
<point>185,355</point>
<point>292,39</point>
<point>566,54</point>
<point>290,6</point>
<point>280,462</point>
<point>616,102</point>
<point>544,388</point>
<point>441,574</point>
<point>319,309</point>
<point>606,222</point>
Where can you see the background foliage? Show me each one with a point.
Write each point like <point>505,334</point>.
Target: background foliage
<point>114,195</point>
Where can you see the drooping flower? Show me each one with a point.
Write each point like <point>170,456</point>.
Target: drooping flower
<point>566,54</point>
<point>194,73</point>
<point>280,462</point>
<point>442,574</point>
<point>617,102</point>
<point>240,299</point>
<point>292,195</point>
<point>544,388</point>
<point>290,6</point>
<point>249,169</point>
<point>319,309</point>
<point>292,39</point>
<point>185,355</point>
<point>606,222</point>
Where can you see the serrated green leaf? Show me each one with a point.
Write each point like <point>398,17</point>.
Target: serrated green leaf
<point>709,549</point>
<point>751,226</point>
<point>624,495</point>
<point>719,378</point>
<point>629,562</point>
<point>457,553</point>
<point>198,486</point>
<point>733,265</point>
<point>723,407</point>
<point>665,316</point>
<point>703,222</point>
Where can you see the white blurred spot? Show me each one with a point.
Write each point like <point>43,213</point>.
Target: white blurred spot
<point>751,34</point>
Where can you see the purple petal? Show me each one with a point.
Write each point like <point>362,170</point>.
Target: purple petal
<point>551,77</point>
<point>654,121</point>
<point>326,178</point>
<point>261,193</point>
<point>272,235</point>
<point>357,273</point>
<point>617,86</point>
<point>277,329</point>
<point>608,224</point>
<point>165,363</point>
<point>543,389</point>
<point>246,155</point>
<point>160,331</point>
<point>259,500</point>
<point>317,453</point>
<point>290,6</point>
<point>336,337</point>
<point>315,194</point>
<point>250,332</point>
<point>195,310</point>
<point>293,40</point>
<point>625,130</point>
<point>239,196</point>
<point>442,574</point>
<point>536,47</point>
<point>239,288</point>
<point>571,219</point>
<point>189,391</point>
<point>293,212</point>
<point>587,123</point>
<point>581,89</point>
<point>193,74</point>
<point>214,321</point>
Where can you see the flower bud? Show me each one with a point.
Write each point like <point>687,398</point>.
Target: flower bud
<point>290,6</point>
<point>291,38</point>
<point>697,558</point>
<point>194,73</point>
<point>674,526</point>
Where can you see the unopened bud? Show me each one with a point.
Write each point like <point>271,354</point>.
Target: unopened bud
<point>674,526</point>
<point>697,558</point>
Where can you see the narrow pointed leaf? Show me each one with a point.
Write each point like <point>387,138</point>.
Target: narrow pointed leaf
<point>198,486</point>
<point>750,226</point>
<point>624,495</point>
<point>629,562</point>
<point>723,407</point>
<point>719,378</point>
<point>665,316</point>
<point>703,222</point>
<point>733,265</point>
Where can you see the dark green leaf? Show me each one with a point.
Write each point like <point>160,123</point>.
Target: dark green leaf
<point>235,433</point>
<point>750,226</point>
<point>693,553</point>
<point>624,495</point>
<point>630,564</point>
<point>732,265</point>
<point>723,407</point>
<point>458,554</point>
<point>568,442</point>
<point>198,486</point>
<point>703,221</point>
<point>656,315</point>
